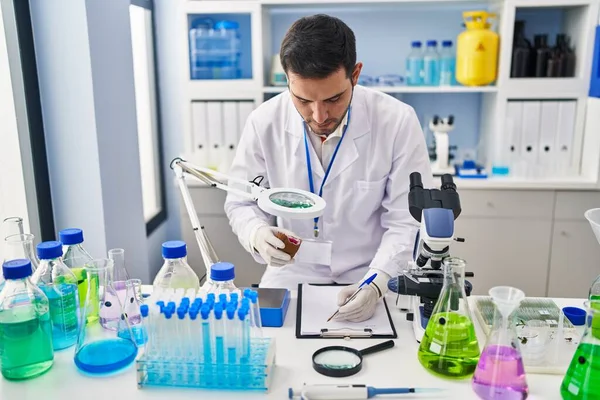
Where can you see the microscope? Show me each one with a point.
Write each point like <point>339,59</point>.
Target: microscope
<point>420,286</point>
<point>441,155</point>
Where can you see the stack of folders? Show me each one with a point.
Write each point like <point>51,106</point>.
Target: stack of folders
<point>216,130</point>
<point>538,139</point>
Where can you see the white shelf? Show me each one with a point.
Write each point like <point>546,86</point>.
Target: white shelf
<point>222,89</point>
<point>410,89</point>
<point>545,88</point>
<point>367,2</point>
<point>526,184</point>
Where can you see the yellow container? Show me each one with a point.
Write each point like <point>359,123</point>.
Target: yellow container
<point>477,50</point>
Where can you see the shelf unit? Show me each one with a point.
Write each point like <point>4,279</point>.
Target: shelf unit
<point>486,106</point>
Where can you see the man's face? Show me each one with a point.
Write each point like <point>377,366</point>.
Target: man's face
<point>323,102</point>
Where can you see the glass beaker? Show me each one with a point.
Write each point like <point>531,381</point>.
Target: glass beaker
<point>99,350</point>
<point>119,278</point>
<point>12,226</point>
<point>20,246</point>
<point>582,380</point>
<point>534,338</point>
<point>449,347</point>
<point>500,373</point>
<point>25,326</point>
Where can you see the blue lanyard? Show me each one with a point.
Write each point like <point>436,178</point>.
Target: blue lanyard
<point>309,165</point>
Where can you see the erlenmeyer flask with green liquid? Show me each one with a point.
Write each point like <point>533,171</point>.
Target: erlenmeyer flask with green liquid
<point>449,347</point>
<point>582,380</point>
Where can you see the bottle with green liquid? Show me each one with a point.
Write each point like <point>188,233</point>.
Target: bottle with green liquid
<point>449,347</point>
<point>582,380</point>
<point>25,325</point>
<point>75,257</point>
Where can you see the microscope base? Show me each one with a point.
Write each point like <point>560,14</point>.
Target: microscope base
<point>419,322</point>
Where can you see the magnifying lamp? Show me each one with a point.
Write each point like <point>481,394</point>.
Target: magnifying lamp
<point>281,202</point>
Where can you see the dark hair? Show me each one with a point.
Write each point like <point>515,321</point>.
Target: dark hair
<point>317,46</point>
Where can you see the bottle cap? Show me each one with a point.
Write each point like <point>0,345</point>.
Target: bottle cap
<point>431,43</point>
<point>223,298</point>
<point>71,236</point>
<point>230,312</point>
<point>416,43</point>
<point>144,310</point>
<point>16,269</point>
<point>174,249</point>
<point>49,250</point>
<point>447,43</point>
<point>222,271</point>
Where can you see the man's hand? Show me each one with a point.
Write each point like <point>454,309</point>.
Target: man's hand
<point>362,307</point>
<point>269,246</point>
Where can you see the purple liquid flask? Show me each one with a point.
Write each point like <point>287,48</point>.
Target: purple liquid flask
<point>500,374</point>
<point>116,293</point>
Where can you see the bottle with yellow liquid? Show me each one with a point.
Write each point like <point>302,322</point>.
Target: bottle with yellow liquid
<point>477,50</point>
<point>449,347</point>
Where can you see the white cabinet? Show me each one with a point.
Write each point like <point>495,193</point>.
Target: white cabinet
<point>575,259</point>
<point>209,206</point>
<point>505,251</point>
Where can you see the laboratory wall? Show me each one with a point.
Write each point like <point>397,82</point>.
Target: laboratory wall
<point>86,81</point>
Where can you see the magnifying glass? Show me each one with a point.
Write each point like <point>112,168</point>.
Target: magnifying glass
<point>342,361</point>
<point>291,203</point>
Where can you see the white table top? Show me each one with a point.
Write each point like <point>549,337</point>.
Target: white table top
<point>395,367</point>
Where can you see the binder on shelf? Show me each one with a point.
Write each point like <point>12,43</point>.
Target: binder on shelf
<point>530,136</point>
<point>512,144</point>
<point>245,108</point>
<point>312,313</point>
<point>214,111</point>
<point>595,81</point>
<point>230,130</point>
<point>199,152</point>
<point>565,132</point>
<point>546,149</point>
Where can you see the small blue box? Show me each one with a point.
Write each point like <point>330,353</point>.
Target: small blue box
<point>595,81</point>
<point>273,306</point>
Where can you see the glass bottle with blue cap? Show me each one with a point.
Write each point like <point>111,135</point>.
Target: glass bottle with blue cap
<point>176,272</point>
<point>75,257</point>
<point>222,275</point>
<point>25,326</point>
<point>59,284</point>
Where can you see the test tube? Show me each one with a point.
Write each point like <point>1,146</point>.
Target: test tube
<point>256,321</point>
<point>206,335</point>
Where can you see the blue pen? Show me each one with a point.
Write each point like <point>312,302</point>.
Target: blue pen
<point>365,283</point>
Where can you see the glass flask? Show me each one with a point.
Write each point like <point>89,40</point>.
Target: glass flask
<point>131,310</point>
<point>449,347</point>
<point>59,284</point>
<point>109,314</point>
<point>75,257</point>
<point>176,272</point>
<point>100,350</point>
<point>500,373</point>
<point>10,226</point>
<point>25,327</point>
<point>582,380</point>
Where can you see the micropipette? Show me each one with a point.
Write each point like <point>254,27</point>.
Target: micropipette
<point>349,392</point>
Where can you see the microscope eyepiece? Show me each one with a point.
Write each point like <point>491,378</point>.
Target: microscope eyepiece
<point>448,182</point>
<point>415,180</point>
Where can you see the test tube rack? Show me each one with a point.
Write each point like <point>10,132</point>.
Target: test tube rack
<point>252,376</point>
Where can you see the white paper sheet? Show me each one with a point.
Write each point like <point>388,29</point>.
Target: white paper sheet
<point>320,302</point>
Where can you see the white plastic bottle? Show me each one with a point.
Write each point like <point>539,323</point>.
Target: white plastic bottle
<point>414,65</point>
<point>447,64</point>
<point>176,273</point>
<point>431,65</point>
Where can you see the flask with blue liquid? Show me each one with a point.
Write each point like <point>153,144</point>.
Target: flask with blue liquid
<point>414,65</point>
<point>447,64</point>
<point>431,65</point>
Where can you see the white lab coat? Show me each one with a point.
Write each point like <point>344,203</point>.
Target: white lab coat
<point>366,218</point>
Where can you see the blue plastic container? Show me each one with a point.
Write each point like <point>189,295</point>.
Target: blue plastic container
<point>225,51</point>
<point>201,31</point>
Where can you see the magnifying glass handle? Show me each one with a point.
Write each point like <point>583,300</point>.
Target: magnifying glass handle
<point>378,347</point>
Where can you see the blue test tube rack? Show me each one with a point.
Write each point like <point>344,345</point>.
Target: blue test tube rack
<point>176,356</point>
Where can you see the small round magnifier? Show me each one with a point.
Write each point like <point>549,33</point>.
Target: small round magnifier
<point>342,361</point>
